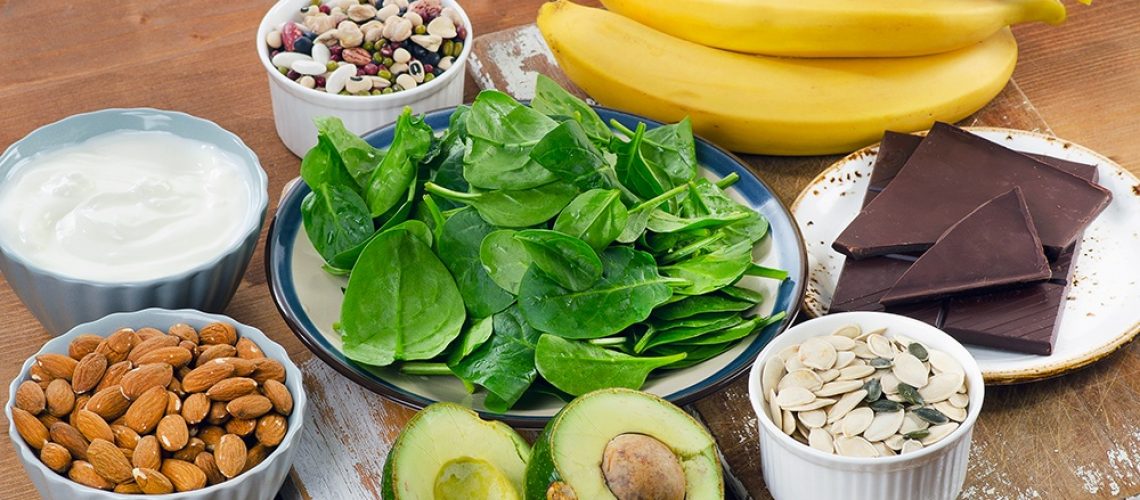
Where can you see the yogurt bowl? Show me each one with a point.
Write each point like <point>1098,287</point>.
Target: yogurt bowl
<point>62,293</point>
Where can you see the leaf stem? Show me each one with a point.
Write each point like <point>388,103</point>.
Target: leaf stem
<point>728,180</point>
<point>621,127</point>
<point>607,341</point>
<point>450,194</point>
<point>661,198</point>
<point>691,248</point>
<point>425,368</point>
<point>766,272</point>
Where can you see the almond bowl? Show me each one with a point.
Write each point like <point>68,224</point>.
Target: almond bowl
<point>258,483</point>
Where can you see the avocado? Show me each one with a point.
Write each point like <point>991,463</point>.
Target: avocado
<point>623,444</point>
<point>447,452</point>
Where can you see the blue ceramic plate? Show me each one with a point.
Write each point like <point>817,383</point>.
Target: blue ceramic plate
<point>309,298</point>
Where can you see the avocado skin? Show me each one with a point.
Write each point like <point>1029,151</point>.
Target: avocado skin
<point>387,489</point>
<point>540,471</point>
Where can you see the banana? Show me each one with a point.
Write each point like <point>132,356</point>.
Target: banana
<point>836,28</point>
<point>769,105</point>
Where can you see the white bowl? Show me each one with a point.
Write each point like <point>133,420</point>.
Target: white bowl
<point>294,106</point>
<point>258,483</point>
<point>793,470</point>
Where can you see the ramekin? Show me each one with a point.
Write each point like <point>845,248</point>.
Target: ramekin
<point>258,483</point>
<point>794,471</point>
<point>294,106</point>
<point>60,302</point>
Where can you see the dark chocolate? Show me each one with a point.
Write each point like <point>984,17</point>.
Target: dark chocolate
<point>949,174</point>
<point>995,245</point>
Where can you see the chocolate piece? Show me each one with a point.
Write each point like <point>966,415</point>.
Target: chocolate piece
<point>952,172</point>
<point>894,151</point>
<point>995,245</point>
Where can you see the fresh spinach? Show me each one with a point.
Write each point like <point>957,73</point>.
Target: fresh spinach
<point>693,305</point>
<point>472,337</point>
<point>505,259</point>
<point>390,180</point>
<point>458,248</point>
<point>597,216</point>
<point>358,157</point>
<point>736,332</point>
<point>711,271</point>
<point>335,219</point>
<point>567,260</point>
<point>504,364</point>
<point>568,153</point>
<point>507,208</point>
<point>580,367</point>
<point>696,354</point>
<point>552,100</point>
<point>502,133</point>
<point>632,171</point>
<point>655,338</point>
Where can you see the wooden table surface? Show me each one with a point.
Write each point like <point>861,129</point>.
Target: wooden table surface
<point>1071,437</point>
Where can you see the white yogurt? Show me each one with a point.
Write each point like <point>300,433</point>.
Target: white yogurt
<point>125,206</point>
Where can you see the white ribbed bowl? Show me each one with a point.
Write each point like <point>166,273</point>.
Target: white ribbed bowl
<point>795,471</point>
<point>259,483</point>
<point>294,106</point>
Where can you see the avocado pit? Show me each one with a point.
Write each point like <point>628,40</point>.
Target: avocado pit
<point>639,467</point>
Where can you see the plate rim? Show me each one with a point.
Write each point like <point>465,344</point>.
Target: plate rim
<point>1046,370</point>
<point>416,402</point>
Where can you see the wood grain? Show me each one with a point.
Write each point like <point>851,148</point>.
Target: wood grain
<point>1067,438</point>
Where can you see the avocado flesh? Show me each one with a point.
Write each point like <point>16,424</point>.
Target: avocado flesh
<point>439,439</point>
<point>472,479</point>
<point>572,445</point>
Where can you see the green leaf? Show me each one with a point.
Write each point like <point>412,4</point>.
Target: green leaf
<point>696,354</point>
<point>505,259</point>
<point>507,208</point>
<point>567,260</point>
<point>736,332</point>
<point>670,149</point>
<point>629,289</point>
<point>661,221</point>
<point>400,303</point>
<point>638,218</point>
<point>579,367</point>
<point>632,170</point>
<point>390,180</point>
<point>710,271</point>
<point>504,364</point>
<point>568,153</point>
<point>357,156</point>
<point>458,247</point>
<point>336,219</point>
<point>597,216</point>
<point>552,100</point>
<point>502,133</point>
<point>741,293</point>
<point>656,338</point>
<point>472,337</point>
<point>701,304</point>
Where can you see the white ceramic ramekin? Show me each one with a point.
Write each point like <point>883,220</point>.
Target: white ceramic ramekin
<point>294,106</point>
<point>795,471</point>
<point>61,302</point>
<point>258,483</point>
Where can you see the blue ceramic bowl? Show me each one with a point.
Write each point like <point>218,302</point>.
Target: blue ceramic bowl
<point>61,302</point>
<point>309,298</point>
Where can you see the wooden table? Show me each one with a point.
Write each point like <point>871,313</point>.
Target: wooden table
<point>1065,438</point>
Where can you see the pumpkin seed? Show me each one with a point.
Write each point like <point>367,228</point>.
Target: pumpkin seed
<point>910,370</point>
<point>912,422</point>
<point>804,378</point>
<point>910,446</point>
<point>789,422</point>
<point>857,421</point>
<point>814,405</point>
<point>771,375</point>
<point>942,386</point>
<point>942,362</point>
<point>885,405</point>
<point>793,363</point>
<point>931,415</point>
<point>855,447</point>
<point>813,418</point>
<point>774,410</point>
<point>883,450</point>
<point>894,442</point>
<point>919,434</point>
<point>881,363</point>
<point>959,400</point>
<point>877,331</point>
<point>794,396</point>
<point>884,425</point>
<point>844,406</point>
<point>890,384</point>
<point>863,352</point>
<point>840,343</point>
<point>938,432</point>
<point>955,413</point>
<point>910,394</point>
<point>788,352</point>
<point>829,375</point>
<point>881,346</point>
<point>817,353</point>
<point>821,440</point>
<point>855,372</point>
<point>874,390</point>
<point>838,387</point>
<point>918,350</point>
<point>850,331</point>
<point>844,359</point>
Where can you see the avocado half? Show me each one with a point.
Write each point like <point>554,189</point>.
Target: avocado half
<point>620,443</point>
<point>447,452</point>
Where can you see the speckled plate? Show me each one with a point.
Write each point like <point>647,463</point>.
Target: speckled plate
<point>1100,313</point>
<point>310,299</point>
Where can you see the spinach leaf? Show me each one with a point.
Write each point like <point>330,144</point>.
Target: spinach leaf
<point>661,221</point>
<point>390,180</point>
<point>700,304</point>
<point>322,165</point>
<point>568,153</point>
<point>567,260</point>
<point>695,354</point>
<point>445,168</point>
<point>670,149</point>
<point>507,208</point>
<point>632,170</point>
<point>654,338</point>
<point>695,321</point>
<point>472,337</point>
<point>504,258</point>
<point>579,367</point>
<point>501,133</point>
<point>638,216</point>
<point>552,100</point>
<point>736,332</point>
<point>400,303</point>
<point>741,293</point>
<point>711,271</point>
<point>336,219</point>
<point>504,364</point>
<point>766,272</point>
<point>358,157</point>
<point>459,250</point>
<point>597,217</point>
<point>629,289</point>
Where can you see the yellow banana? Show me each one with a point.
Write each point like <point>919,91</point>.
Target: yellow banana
<point>836,28</point>
<point>769,105</point>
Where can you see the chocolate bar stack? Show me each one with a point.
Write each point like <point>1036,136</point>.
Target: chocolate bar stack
<point>969,236</point>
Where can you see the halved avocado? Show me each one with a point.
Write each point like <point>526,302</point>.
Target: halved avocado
<point>619,444</point>
<point>447,452</point>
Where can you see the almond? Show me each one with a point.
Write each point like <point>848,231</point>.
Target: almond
<point>108,461</point>
<point>151,481</point>
<point>148,453</point>
<point>251,406</point>
<point>173,356</point>
<point>232,388</point>
<point>173,404</point>
<point>266,369</point>
<point>209,465</point>
<point>279,395</point>
<point>230,455</point>
<point>57,365</point>
<point>30,428</point>
<point>193,447</point>
<point>241,426</point>
<point>39,375</point>
<point>175,386</point>
<point>139,380</point>
<point>69,437</point>
<point>59,398</point>
<point>30,398</point>
<point>271,429</point>
<point>117,346</point>
<point>217,333</point>
<point>248,349</point>
<point>83,345</point>
<point>150,345</point>
<point>195,408</point>
<point>172,433</point>
<point>256,455</point>
<point>131,488</point>
<point>48,419</point>
<point>213,352</point>
<point>184,332</point>
<point>145,412</point>
<point>55,457</point>
<point>203,377</point>
<point>125,437</point>
<point>88,372</point>
<point>92,426</point>
<point>211,435</point>
<point>84,473</point>
<point>146,333</point>
<point>218,414</point>
<point>109,403</point>
<point>114,375</point>
<point>184,475</point>
<point>80,404</point>
<point>189,346</point>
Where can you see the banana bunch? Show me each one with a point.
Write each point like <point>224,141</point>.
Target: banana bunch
<point>792,106</point>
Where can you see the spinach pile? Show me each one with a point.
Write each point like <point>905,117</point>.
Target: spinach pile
<point>531,248</point>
